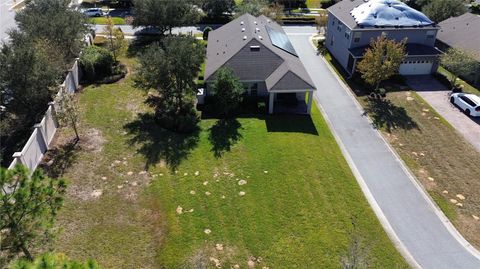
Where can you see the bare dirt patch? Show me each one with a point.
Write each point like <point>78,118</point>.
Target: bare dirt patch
<point>93,140</point>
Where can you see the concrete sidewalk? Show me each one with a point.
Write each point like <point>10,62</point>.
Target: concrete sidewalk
<point>420,231</point>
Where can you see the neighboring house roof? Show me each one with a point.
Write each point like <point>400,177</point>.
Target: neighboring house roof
<point>378,13</point>
<point>230,40</point>
<point>412,50</point>
<point>461,32</point>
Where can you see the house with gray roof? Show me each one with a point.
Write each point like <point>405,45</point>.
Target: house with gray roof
<point>462,32</point>
<point>352,24</point>
<point>262,57</point>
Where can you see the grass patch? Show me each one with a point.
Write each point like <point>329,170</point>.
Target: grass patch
<point>297,212</point>
<point>466,86</point>
<point>314,3</point>
<point>434,151</point>
<point>104,20</point>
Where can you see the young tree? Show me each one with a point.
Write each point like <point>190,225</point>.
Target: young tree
<point>171,69</point>
<point>165,14</point>
<point>53,261</point>
<point>217,8</point>
<point>439,10</point>
<point>55,21</point>
<point>227,90</point>
<point>116,40</point>
<point>321,21</point>
<point>274,11</point>
<point>67,112</point>
<point>382,60</point>
<point>458,62</point>
<point>28,206</point>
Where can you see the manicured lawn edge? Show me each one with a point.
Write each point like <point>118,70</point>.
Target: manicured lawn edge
<point>437,199</point>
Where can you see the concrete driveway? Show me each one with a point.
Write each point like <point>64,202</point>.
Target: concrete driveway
<point>417,227</point>
<point>437,95</point>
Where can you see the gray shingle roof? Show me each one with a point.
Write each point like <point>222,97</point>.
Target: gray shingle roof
<point>462,32</point>
<point>228,41</point>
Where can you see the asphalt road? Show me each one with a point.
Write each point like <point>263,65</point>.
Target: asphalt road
<point>419,230</point>
<point>6,18</point>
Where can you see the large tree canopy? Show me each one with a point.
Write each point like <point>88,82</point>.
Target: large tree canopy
<point>170,69</point>
<point>439,10</point>
<point>53,20</point>
<point>217,8</point>
<point>165,14</point>
<point>29,74</point>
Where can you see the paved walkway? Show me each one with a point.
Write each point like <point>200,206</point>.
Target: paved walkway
<point>418,229</point>
<point>437,95</point>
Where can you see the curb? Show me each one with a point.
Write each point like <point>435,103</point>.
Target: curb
<point>446,222</point>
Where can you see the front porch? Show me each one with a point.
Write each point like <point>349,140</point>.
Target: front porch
<point>288,102</point>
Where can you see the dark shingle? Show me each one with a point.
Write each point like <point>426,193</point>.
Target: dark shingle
<point>462,32</point>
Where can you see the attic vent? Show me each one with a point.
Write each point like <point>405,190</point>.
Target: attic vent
<point>268,21</point>
<point>255,22</point>
<point>254,48</point>
<point>243,29</point>
<point>244,37</point>
<point>257,29</point>
<point>261,38</point>
<point>241,23</point>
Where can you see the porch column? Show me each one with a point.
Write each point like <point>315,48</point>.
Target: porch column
<point>270,102</point>
<point>310,100</point>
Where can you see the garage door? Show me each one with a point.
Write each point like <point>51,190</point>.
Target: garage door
<point>416,67</point>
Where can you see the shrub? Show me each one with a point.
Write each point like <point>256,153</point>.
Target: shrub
<point>206,31</point>
<point>475,8</point>
<point>96,62</point>
<point>328,3</point>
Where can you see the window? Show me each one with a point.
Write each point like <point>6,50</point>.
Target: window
<point>357,36</point>
<point>468,101</point>
<point>347,34</point>
<point>331,41</point>
<point>333,21</point>
<point>430,34</point>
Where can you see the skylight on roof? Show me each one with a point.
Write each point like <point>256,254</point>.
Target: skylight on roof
<point>280,40</point>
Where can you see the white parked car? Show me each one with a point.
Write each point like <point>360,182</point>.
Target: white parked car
<point>468,103</point>
<point>93,12</point>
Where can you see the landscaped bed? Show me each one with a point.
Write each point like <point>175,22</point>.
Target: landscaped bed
<point>444,162</point>
<point>272,191</point>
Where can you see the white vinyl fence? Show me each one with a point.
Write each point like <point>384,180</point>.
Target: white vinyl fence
<point>43,133</point>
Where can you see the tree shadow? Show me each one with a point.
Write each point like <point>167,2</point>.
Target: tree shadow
<point>385,114</point>
<point>57,160</point>
<point>157,143</point>
<point>223,135</point>
<point>291,123</point>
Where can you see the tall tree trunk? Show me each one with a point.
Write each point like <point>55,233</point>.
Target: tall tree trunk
<point>26,252</point>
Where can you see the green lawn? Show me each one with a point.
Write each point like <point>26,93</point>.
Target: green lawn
<point>466,87</point>
<point>444,162</point>
<point>103,20</point>
<point>300,198</point>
